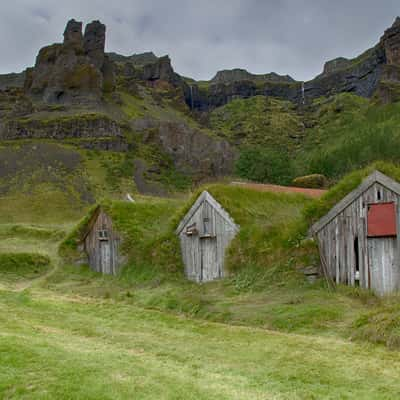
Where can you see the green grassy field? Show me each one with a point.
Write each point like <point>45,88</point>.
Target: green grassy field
<point>66,347</point>
<point>264,332</point>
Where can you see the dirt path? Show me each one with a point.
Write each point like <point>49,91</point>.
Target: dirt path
<point>315,193</point>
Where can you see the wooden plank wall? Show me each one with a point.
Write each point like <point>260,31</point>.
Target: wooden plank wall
<point>337,242</point>
<point>203,257</point>
<point>96,250</point>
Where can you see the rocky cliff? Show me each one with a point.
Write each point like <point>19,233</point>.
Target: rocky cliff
<point>373,72</point>
<point>75,71</point>
<point>77,92</point>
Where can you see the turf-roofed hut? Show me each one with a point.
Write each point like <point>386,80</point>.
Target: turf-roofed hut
<point>205,233</point>
<point>358,239</point>
<point>101,241</point>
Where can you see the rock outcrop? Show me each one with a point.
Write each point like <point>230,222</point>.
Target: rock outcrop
<point>136,59</point>
<point>76,71</point>
<point>237,75</point>
<point>215,95</point>
<point>374,71</point>
<point>193,151</point>
<point>388,90</point>
<point>391,43</point>
<point>359,76</point>
<point>8,81</point>
<point>335,65</point>
<point>60,128</point>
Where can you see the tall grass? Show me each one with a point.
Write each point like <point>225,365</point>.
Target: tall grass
<point>353,139</point>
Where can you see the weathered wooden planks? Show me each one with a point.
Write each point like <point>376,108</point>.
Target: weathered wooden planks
<point>203,253</point>
<point>346,248</point>
<point>101,244</point>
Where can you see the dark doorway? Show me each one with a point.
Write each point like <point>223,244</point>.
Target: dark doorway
<point>357,262</point>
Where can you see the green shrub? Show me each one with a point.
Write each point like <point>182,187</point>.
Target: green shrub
<point>264,165</point>
<point>314,181</point>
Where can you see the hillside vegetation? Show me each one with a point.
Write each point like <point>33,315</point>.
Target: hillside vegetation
<point>149,320</point>
<point>266,286</point>
<point>331,136</point>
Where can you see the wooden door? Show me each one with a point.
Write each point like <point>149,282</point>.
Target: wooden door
<point>105,257</point>
<point>209,264</point>
<point>384,273</point>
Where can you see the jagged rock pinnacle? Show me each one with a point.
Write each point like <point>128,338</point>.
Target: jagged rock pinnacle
<point>73,33</point>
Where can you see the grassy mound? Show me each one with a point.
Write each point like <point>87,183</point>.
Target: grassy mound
<point>145,226</point>
<point>261,259</point>
<point>22,266</point>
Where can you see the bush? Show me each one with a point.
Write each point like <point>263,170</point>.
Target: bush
<point>314,181</point>
<point>264,165</point>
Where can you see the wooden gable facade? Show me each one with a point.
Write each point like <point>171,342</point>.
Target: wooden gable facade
<point>359,238</point>
<point>101,243</point>
<point>205,233</point>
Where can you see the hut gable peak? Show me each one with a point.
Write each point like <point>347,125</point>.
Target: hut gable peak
<point>374,177</point>
<point>206,197</point>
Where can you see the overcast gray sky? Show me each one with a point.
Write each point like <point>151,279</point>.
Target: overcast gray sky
<point>286,36</point>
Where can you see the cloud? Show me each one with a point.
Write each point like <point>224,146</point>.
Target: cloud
<point>285,36</point>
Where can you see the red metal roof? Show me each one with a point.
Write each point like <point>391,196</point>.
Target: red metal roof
<point>382,220</point>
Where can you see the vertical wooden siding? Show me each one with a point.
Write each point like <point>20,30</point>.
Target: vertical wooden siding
<point>204,254</point>
<point>103,255</point>
<point>337,241</point>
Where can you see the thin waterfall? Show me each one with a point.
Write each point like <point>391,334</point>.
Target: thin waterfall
<point>191,97</point>
<point>303,96</point>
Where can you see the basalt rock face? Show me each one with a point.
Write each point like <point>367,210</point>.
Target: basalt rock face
<point>237,75</point>
<point>94,43</point>
<point>391,43</point>
<point>159,69</point>
<point>375,71</point>
<point>8,81</point>
<point>219,94</point>
<point>74,127</point>
<point>360,76</point>
<point>336,65</point>
<point>192,151</point>
<point>388,90</point>
<point>76,71</point>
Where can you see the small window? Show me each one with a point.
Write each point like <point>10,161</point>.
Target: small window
<point>103,234</point>
<point>206,226</point>
<point>378,195</point>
